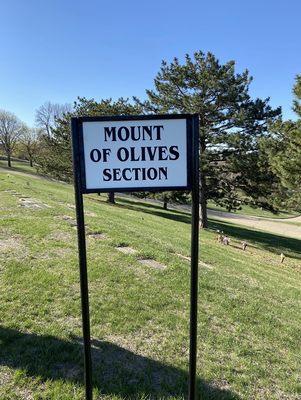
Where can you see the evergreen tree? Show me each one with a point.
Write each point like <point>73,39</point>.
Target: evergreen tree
<point>285,159</point>
<point>283,150</point>
<point>230,125</point>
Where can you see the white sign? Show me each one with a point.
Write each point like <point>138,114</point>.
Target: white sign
<point>138,154</point>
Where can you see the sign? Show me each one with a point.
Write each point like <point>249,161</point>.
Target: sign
<point>141,153</point>
<point>136,153</point>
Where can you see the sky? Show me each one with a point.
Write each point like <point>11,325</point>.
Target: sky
<point>59,49</point>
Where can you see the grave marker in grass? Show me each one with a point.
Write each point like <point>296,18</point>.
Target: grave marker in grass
<point>136,153</point>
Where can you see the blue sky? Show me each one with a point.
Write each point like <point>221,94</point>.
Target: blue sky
<point>58,50</point>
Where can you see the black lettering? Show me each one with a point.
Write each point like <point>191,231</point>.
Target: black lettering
<point>162,171</point>
<point>106,175</point>
<point>142,153</point>
<point>95,155</point>
<point>162,153</point>
<point>148,130</point>
<point>133,129</point>
<point>106,153</point>
<point>152,174</point>
<point>116,174</point>
<point>158,129</point>
<point>110,132</point>
<point>124,174</point>
<point>132,149</point>
<point>136,170</point>
<point>174,151</point>
<point>123,154</point>
<point>151,152</point>
<point>123,136</point>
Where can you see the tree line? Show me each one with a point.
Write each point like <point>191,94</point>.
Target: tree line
<point>248,154</point>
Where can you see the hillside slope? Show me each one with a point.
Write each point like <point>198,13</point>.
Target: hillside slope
<point>249,303</point>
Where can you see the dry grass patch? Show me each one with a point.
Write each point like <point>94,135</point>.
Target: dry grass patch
<point>7,379</point>
<point>126,250</point>
<point>61,236</point>
<point>90,214</point>
<point>13,246</point>
<point>31,203</point>
<point>201,263</point>
<point>56,253</point>
<point>153,264</point>
<point>97,235</point>
<point>65,217</point>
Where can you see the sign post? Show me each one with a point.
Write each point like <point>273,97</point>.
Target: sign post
<point>136,153</point>
<point>195,205</point>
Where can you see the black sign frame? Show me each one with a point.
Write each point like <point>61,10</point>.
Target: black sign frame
<point>78,148</point>
<point>192,132</point>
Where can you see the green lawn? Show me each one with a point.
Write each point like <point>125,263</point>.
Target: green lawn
<point>21,166</point>
<point>256,212</point>
<point>249,303</point>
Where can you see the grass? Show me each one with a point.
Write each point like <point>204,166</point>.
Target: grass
<point>21,166</point>
<point>249,303</point>
<point>256,212</point>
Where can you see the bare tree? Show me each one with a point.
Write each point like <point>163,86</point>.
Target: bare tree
<point>30,142</point>
<point>11,129</point>
<point>48,113</point>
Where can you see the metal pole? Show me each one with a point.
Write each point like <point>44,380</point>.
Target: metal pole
<point>82,262</point>
<point>194,261</point>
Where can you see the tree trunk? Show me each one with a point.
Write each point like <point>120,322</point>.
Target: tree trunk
<point>30,162</point>
<point>111,198</point>
<point>203,203</point>
<point>165,203</point>
<point>8,160</point>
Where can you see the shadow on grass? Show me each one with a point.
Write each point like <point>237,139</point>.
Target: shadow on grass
<point>265,240</point>
<point>153,209</point>
<point>268,241</point>
<point>116,371</point>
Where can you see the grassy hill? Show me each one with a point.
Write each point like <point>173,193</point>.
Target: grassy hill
<point>249,303</point>
<point>23,166</point>
<point>256,212</point>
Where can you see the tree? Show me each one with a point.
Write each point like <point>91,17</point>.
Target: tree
<point>171,197</point>
<point>297,95</point>
<point>11,128</point>
<point>48,113</point>
<point>284,154</point>
<point>283,150</point>
<point>30,143</point>
<point>56,157</point>
<point>230,125</point>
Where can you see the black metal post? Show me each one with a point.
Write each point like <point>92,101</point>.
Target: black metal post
<point>194,261</point>
<point>82,262</point>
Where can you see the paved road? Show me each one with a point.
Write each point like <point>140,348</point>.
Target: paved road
<point>281,226</point>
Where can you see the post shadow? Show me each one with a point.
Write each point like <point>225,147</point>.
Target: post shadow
<point>117,371</point>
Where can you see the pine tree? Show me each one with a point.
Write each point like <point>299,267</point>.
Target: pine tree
<point>283,150</point>
<point>230,125</point>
